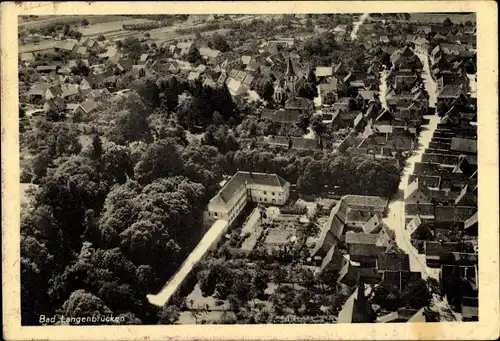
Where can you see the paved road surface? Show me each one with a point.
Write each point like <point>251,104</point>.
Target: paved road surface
<point>383,88</point>
<point>211,237</point>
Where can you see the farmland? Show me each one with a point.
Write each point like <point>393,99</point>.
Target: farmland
<point>93,30</point>
<point>67,19</point>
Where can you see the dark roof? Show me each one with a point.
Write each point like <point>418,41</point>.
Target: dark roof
<point>298,103</point>
<point>464,145</point>
<point>88,106</point>
<point>457,213</point>
<point>361,238</point>
<point>366,202</point>
<point>242,178</point>
<point>284,116</point>
<point>393,262</point>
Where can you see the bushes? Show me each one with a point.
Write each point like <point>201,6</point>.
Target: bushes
<point>294,209</point>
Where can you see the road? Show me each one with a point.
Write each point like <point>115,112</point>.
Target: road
<point>429,83</point>
<point>396,209</point>
<point>208,240</point>
<point>357,24</point>
<point>383,88</point>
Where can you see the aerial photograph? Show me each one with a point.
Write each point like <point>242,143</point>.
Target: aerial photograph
<point>248,169</point>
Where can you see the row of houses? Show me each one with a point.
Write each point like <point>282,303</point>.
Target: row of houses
<point>441,207</point>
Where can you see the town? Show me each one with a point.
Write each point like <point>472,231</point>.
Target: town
<point>249,169</point>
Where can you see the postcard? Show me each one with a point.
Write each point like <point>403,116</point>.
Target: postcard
<point>279,170</point>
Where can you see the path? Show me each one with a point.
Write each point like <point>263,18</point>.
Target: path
<point>208,240</point>
<point>249,227</point>
<point>357,25</point>
<point>396,209</point>
<point>429,83</point>
<point>383,88</point>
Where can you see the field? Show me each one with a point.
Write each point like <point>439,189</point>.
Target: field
<point>25,22</point>
<point>93,30</point>
<point>430,18</point>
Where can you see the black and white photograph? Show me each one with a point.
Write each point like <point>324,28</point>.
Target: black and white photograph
<point>250,169</point>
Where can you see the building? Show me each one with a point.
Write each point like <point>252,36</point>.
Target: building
<point>287,86</point>
<point>244,187</point>
<point>352,212</point>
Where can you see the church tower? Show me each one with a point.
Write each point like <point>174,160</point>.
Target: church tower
<point>290,76</point>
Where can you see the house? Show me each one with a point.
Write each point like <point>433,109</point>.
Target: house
<point>281,115</point>
<point>98,94</point>
<point>85,108</point>
<point>454,213</point>
<point>47,68</point>
<point>244,187</point>
<point>54,105</point>
<point>27,57</point>
<point>304,105</point>
<point>339,219</point>
<point>124,65</point>
<point>193,76</point>
<point>384,122</point>
<point>112,53</point>
<point>296,143</point>
<point>236,87</point>
<point>69,45</point>
<point>209,54</point>
<point>449,94</point>
<point>323,71</point>
<point>39,90</point>
<point>357,308</point>
<point>53,91</point>
<point>463,145</point>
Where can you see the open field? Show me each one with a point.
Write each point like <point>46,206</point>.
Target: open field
<point>105,27</point>
<point>67,19</point>
<point>438,18</point>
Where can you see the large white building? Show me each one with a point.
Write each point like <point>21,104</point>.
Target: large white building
<point>244,187</point>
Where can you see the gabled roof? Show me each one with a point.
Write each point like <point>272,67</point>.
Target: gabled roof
<point>393,262</point>
<point>284,116</point>
<point>299,103</point>
<point>246,179</point>
<point>324,71</point>
<point>67,45</point>
<point>463,145</point>
<point>454,213</point>
<point>450,91</point>
<point>88,106</point>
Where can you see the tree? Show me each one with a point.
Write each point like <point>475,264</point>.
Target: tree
<point>388,297</point>
<point>308,90</point>
<point>97,149</point>
<point>85,22</point>
<point>101,37</point>
<point>447,22</point>
<point>147,35</point>
<point>168,314</point>
<point>279,275</point>
<point>218,42</point>
<point>83,304</point>
<point>265,89</point>
<point>193,56</point>
<point>416,294</point>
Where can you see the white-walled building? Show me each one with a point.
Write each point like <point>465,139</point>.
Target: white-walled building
<point>244,187</point>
